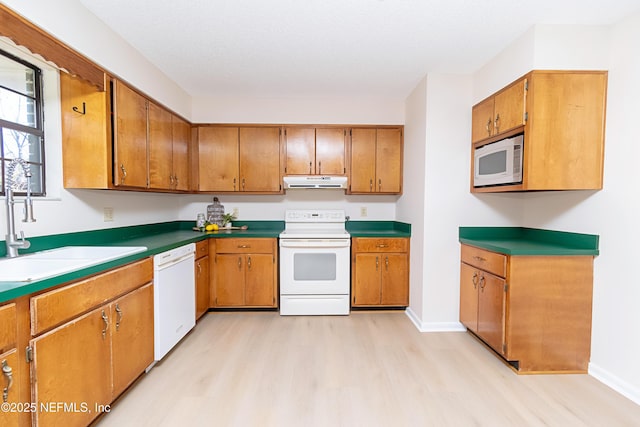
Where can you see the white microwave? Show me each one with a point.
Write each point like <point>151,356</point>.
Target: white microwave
<point>498,163</point>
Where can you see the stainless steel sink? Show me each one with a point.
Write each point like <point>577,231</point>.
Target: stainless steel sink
<point>45,264</point>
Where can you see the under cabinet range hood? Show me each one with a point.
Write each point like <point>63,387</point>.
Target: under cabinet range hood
<point>315,181</point>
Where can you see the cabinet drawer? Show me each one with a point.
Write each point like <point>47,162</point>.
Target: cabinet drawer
<point>374,244</point>
<point>7,327</point>
<point>244,246</point>
<point>60,305</point>
<point>489,261</point>
<point>202,248</point>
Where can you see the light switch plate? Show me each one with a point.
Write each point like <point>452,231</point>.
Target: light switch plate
<point>108,214</point>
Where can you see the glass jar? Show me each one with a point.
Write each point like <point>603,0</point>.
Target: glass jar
<point>200,221</point>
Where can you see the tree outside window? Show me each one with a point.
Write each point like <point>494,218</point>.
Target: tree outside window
<point>21,124</point>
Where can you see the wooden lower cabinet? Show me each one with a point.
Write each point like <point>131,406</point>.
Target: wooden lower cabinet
<point>244,272</point>
<point>80,366</point>
<point>202,278</point>
<point>380,272</point>
<point>534,311</point>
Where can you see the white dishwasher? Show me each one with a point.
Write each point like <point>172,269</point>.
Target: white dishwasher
<point>174,297</point>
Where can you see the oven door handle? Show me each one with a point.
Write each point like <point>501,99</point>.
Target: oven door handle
<point>315,243</point>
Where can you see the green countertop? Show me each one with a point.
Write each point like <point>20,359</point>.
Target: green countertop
<point>159,238</point>
<point>529,241</point>
<point>378,229</point>
<point>156,238</point>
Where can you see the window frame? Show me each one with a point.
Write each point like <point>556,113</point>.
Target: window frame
<point>37,131</point>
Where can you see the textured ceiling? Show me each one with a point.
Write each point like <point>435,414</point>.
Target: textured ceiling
<point>299,48</point>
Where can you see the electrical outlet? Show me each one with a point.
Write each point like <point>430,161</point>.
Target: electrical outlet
<point>236,212</point>
<point>363,211</point>
<point>108,214</point>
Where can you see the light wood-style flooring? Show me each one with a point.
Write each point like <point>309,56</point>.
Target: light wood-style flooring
<point>366,369</point>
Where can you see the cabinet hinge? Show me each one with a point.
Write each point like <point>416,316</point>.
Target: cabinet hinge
<point>350,132</point>
<point>285,169</point>
<point>29,354</point>
<point>344,170</point>
<point>285,132</point>
<point>506,287</point>
<point>526,84</point>
<point>526,117</point>
<point>504,348</point>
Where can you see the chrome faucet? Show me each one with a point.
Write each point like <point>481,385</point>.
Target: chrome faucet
<point>12,241</point>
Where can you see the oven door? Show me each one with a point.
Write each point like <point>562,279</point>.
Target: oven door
<point>315,266</point>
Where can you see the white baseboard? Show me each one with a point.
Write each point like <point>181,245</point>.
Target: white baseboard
<point>434,326</point>
<point>624,388</point>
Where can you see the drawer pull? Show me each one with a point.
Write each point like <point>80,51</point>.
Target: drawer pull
<point>479,258</point>
<point>244,246</point>
<point>8,374</point>
<point>382,245</point>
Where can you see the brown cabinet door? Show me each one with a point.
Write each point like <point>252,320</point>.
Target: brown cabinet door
<point>7,417</point>
<point>160,148</point>
<point>395,279</point>
<point>260,159</point>
<point>491,310</point>
<point>218,159</point>
<point>229,280</point>
<point>469,279</point>
<point>330,151</point>
<point>300,149</point>
<point>259,285</point>
<point>202,286</point>
<point>181,136</point>
<point>388,161</point>
<point>482,120</point>
<point>363,160</point>
<point>366,279</point>
<point>130,142</point>
<point>509,108</point>
<point>72,363</point>
<point>132,336</point>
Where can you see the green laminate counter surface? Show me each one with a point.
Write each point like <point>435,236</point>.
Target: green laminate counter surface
<point>378,229</point>
<point>529,241</point>
<point>156,238</point>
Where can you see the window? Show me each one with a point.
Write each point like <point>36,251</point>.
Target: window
<point>21,125</point>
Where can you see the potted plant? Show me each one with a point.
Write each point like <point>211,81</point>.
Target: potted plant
<point>227,218</point>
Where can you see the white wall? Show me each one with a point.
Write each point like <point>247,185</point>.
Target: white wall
<point>611,213</point>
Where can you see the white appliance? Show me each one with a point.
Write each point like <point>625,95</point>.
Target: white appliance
<point>174,297</point>
<point>315,263</point>
<point>498,163</point>
<point>315,181</point>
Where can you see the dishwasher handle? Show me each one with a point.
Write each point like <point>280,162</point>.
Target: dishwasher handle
<point>164,264</point>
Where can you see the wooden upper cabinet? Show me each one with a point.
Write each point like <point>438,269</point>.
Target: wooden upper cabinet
<point>239,159</point>
<point>330,151</point>
<point>315,151</point>
<point>499,113</point>
<point>260,159</point>
<point>160,148</point>
<point>181,137</point>
<point>376,160</point>
<point>562,117</point>
<point>300,148</point>
<point>86,134</point>
<point>130,137</point>
<point>218,159</point>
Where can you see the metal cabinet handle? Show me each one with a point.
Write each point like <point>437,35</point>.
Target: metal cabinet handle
<point>171,179</point>
<point>242,184</point>
<point>244,246</point>
<point>377,263</point>
<point>482,283</point>
<point>479,258</point>
<point>310,164</point>
<point>234,184</point>
<point>379,184</point>
<point>119,317</point>
<point>249,263</point>
<point>495,123</point>
<point>386,262</point>
<point>124,173</point>
<point>474,279</point>
<point>105,319</point>
<point>382,245</point>
<point>177,180</point>
<point>8,374</point>
<point>239,262</point>
<point>320,168</point>
<point>370,184</point>
<point>488,127</point>
<point>199,268</point>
